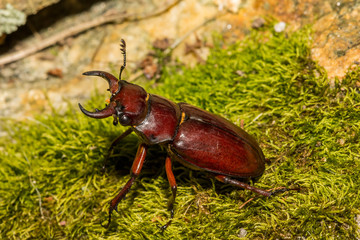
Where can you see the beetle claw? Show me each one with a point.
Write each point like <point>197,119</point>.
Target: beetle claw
<point>105,225</point>
<point>164,227</point>
<point>109,220</point>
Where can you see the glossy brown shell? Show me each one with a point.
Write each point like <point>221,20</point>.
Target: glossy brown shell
<point>205,141</point>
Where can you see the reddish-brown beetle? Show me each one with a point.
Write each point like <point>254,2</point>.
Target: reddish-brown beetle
<point>196,138</point>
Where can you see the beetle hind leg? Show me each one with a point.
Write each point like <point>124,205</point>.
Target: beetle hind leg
<point>172,182</point>
<point>234,182</point>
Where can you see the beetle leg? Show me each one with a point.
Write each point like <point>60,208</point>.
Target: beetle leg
<point>135,171</point>
<point>237,183</point>
<point>172,182</point>
<point>113,144</point>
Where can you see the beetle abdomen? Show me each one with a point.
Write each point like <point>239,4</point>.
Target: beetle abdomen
<point>227,150</point>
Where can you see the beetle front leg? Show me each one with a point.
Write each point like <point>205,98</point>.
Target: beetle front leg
<point>135,171</point>
<point>114,143</point>
<point>172,182</point>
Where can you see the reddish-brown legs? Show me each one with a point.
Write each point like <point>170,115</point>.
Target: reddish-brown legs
<point>135,170</point>
<point>113,144</point>
<point>234,182</point>
<point>231,181</point>
<point>172,182</point>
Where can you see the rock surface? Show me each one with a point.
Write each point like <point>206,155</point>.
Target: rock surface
<point>54,74</point>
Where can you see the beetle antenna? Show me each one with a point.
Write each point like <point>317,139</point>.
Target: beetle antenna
<point>123,51</point>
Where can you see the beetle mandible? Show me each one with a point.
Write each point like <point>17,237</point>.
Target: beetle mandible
<point>196,138</point>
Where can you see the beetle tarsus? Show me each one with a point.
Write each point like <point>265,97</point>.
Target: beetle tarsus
<point>105,225</point>
<point>109,220</point>
<point>278,191</point>
<point>164,227</point>
<point>282,190</point>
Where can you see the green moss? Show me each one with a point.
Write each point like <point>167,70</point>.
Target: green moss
<point>51,185</point>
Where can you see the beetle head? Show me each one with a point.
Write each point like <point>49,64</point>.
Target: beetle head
<point>127,102</point>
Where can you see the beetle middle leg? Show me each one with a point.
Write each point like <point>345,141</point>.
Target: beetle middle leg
<point>135,171</point>
<point>172,182</point>
<point>113,144</point>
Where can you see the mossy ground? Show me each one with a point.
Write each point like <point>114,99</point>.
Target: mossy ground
<point>52,187</point>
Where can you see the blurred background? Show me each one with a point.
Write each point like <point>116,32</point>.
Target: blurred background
<point>45,45</point>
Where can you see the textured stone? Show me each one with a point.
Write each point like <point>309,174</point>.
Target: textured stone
<point>26,6</point>
<point>336,43</point>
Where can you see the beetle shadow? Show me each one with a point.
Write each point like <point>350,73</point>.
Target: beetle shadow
<point>124,154</point>
<point>120,162</point>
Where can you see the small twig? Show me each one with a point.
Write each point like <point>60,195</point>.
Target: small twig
<point>135,76</point>
<point>182,38</point>
<point>38,122</point>
<point>98,47</point>
<point>243,205</point>
<point>74,30</point>
<point>256,118</point>
<point>34,31</point>
<point>187,209</point>
<point>36,189</point>
<point>39,195</point>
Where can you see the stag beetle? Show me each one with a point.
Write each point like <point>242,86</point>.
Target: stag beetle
<point>198,139</point>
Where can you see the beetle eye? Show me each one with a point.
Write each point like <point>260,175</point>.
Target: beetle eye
<point>124,120</point>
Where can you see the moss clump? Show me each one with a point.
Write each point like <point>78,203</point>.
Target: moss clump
<point>51,185</point>
<point>11,19</point>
